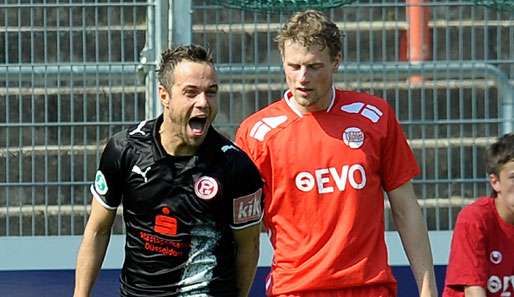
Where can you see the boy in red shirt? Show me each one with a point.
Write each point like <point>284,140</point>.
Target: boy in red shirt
<point>482,251</point>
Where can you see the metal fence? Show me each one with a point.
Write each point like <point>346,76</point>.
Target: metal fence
<point>75,72</point>
<point>453,96</point>
<point>69,80</point>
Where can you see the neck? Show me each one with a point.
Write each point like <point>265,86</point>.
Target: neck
<point>172,142</point>
<point>319,106</point>
<point>322,105</point>
<point>504,213</point>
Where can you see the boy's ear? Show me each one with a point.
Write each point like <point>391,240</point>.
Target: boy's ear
<point>494,180</point>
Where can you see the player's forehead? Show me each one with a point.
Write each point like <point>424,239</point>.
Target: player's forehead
<point>298,53</point>
<point>195,74</point>
<point>507,168</point>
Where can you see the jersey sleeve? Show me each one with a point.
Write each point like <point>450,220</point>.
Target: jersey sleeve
<point>467,265</point>
<point>246,193</point>
<point>398,162</point>
<point>106,187</point>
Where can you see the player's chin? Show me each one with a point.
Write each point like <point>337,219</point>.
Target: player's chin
<point>195,140</point>
<point>306,102</point>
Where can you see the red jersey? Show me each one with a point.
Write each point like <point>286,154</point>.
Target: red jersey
<point>325,173</point>
<point>482,252</point>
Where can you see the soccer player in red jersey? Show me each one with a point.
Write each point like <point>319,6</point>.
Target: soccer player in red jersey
<point>482,252</point>
<point>326,157</point>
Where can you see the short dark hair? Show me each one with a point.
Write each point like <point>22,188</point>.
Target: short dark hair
<point>311,27</point>
<point>500,153</point>
<point>171,57</point>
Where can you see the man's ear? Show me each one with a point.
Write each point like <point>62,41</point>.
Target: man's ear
<point>494,180</point>
<point>337,61</point>
<point>164,95</point>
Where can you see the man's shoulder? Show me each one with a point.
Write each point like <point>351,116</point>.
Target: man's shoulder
<point>355,95</point>
<point>142,130</point>
<point>349,100</point>
<point>274,109</point>
<point>265,122</point>
<point>134,135</point>
<point>224,147</point>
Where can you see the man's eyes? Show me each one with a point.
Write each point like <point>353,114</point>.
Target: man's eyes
<point>194,93</point>
<point>311,66</point>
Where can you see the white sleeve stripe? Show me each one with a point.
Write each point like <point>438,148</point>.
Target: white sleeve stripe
<point>99,199</point>
<point>248,225</point>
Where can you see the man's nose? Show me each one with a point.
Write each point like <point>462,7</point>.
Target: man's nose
<point>202,101</point>
<point>304,74</point>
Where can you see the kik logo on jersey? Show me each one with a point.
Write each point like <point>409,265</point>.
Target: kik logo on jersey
<point>247,208</point>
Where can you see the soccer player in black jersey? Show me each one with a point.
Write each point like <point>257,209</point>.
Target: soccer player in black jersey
<point>191,198</point>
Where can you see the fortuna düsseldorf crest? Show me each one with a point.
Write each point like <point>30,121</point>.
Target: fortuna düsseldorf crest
<point>206,187</point>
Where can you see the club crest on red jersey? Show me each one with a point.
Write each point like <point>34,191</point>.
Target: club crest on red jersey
<point>495,257</point>
<point>206,187</point>
<point>353,137</point>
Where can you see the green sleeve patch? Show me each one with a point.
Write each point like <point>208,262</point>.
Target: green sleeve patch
<point>100,183</point>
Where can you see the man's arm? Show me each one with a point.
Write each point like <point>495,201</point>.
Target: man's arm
<point>93,247</point>
<point>474,291</point>
<point>413,233</point>
<point>247,242</point>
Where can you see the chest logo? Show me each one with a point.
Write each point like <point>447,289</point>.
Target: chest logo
<point>368,111</point>
<point>165,223</point>
<point>495,257</point>
<point>353,137</point>
<point>138,170</point>
<point>206,187</point>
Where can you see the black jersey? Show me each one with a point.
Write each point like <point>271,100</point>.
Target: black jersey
<point>179,212</point>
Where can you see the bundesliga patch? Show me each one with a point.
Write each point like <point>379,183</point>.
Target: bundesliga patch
<point>353,137</point>
<point>247,208</point>
<point>100,183</point>
<point>206,187</point>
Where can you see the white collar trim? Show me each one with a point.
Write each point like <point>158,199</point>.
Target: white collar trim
<point>288,95</point>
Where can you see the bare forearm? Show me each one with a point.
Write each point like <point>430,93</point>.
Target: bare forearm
<point>89,261</point>
<point>246,265</point>
<point>414,236</point>
<point>474,291</point>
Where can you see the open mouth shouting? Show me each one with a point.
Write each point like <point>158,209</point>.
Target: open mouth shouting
<point>198,125</point>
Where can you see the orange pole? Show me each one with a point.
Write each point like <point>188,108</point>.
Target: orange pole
<point>417,33</point>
